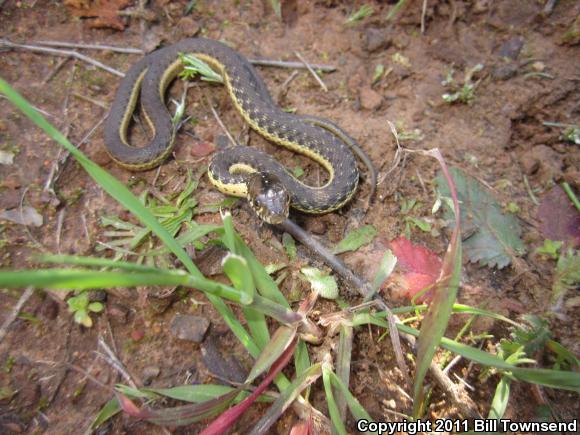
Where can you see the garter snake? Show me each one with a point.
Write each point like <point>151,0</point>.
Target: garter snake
<point>231,169</point>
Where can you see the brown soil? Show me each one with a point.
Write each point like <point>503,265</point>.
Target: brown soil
<point>498,138</point>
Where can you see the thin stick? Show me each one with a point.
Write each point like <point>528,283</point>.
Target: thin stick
<point>15,311</point>
<point>530,191</point>
<point>423,12</point>
<point>55,70</point>
<point>291,65</point>
<point>318,79</point>
<point>90,46</point>
<point>54,174</point>
<point>91,100</point>
<point>58,52</point>
<point>112,359</point>
<point>59,222</point>
<point>219,121</point>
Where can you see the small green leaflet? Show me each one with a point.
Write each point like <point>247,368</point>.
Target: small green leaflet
<point>355,239</point>
<point>324,284</point>
<point>289,245</point>
<point>496,236</point>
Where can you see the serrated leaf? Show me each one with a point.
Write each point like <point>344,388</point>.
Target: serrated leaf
<point>324,284</point>
<point>496,239</point>
<point>355,239</point>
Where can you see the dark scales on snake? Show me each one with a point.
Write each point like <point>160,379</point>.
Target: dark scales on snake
<point>230,169</point>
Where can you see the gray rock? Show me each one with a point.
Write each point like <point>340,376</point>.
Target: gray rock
<point>189,327</point>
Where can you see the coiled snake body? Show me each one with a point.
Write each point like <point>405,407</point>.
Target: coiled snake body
<point>229,169</point>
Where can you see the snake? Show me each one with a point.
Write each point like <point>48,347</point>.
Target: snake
<point>241,171</point>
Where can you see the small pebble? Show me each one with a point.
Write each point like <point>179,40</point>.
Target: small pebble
<point>189,327</point>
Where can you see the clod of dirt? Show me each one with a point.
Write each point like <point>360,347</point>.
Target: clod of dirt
<point>559,218</point>
<point>369,99</point>
<point>118,312</point>
<point>97,296</point>
<point>505,71</point>
<point>23,216</point>
<point>189,327</point>
<point>187,27</point>
<point>150,373</point>
<point>376,39</point>
<point>221,367</point>
<point>101,157</point>
<point>543,161</point>
<point>316,226</point>
<point>48,309</point>
<point>511,48</point>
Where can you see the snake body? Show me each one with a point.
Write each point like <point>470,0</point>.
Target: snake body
<point>314,137</point>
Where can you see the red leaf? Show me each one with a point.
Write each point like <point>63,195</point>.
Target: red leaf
<point>418,268</point>
<point>560,219</point>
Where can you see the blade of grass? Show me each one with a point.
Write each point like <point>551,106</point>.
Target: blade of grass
<point>356,409</point>
<point>111,408</point>
<point>70,279</point>
<point>343,360</point>
<point>435,323</point>
<point>500,399</point>
<point>335,416</point>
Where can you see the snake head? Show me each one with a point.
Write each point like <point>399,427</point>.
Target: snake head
<point>268,197</point>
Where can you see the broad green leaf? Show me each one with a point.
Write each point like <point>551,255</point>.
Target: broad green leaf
<point>496,237</point>
<point>355,239</point>
<point>324,284</point>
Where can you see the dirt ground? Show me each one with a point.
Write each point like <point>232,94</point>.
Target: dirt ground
<point>498,138</point>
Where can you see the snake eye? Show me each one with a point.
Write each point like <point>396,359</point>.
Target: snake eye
<point>268,197</point>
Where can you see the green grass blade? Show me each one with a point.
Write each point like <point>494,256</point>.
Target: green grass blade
<point>236,268</point>
<point>71,279</point>
<point>335,416</point>
<point>500,399</point>
<point>356,409</point>
<point>96,262</point>
<point>343,360</point>
<point>111,408</point>
<point>565,380</point>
